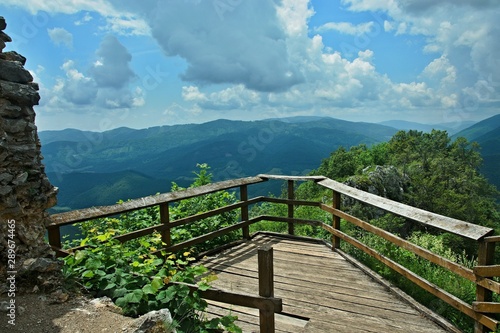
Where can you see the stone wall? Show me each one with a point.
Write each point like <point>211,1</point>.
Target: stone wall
<point>25,191</point>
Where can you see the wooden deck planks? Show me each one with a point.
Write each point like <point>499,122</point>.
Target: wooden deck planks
<point>316,283</point>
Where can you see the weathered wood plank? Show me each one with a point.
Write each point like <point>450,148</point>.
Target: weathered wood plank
<point>299,178</point>
<point>105,211</point>
<point>454,226</point>
<point>486,307</point>
<point>487,271</point>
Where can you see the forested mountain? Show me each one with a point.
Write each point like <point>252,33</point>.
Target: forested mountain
<point>487,134</point>
<point>133,163</point>
<point>93,168</point>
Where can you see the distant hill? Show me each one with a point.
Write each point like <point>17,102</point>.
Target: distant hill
<point>472,133</point>
<point>487,134</point>
<point>451,128</point>
<point>94,168</point>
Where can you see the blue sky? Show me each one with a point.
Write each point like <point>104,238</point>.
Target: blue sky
<point>103,64</point>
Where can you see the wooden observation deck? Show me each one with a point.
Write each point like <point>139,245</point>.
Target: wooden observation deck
<point>321,291</point>
<point>281,283</point>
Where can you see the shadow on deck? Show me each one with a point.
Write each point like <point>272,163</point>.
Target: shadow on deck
<point>320,289</point>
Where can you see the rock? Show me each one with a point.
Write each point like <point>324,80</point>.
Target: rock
<point>4,306</point>
<point>107,303</point>
<point>153,322</point>
<point>14,56</point>
<point>39,265</point>
<point>4,37</point>
<point>5,178</point>
<point>3,24</point>
<point>21,178</point>
<point>21,94</point>
<point>59,296</point>
<point>4,190</point>
<point>13,71</point>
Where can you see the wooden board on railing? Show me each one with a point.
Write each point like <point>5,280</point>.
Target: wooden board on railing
<point>458,227</point>
<point>297,178</point>
<point>105,211</point>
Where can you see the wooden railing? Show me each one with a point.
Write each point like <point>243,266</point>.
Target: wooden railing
<point>481,311</point>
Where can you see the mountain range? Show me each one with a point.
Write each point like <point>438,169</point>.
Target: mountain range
<point>100,168</point>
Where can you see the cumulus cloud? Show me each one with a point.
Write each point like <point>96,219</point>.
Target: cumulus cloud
<point>105,84</point>
<point>61,36</point>
<point>223,44</point>
<point>347,28</point>
<point>112,68</point>
<point>462,33</point>
<point>76,88</point>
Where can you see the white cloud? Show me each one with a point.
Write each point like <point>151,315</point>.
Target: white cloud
<point>61,36</point>
<point>347,28</point>
<point>294,15</point>
<point>107,84</point>
<point>112,68</point>
<point>388,26</point>
<point>118,22</point>
<point>227,46</point>
<point>85,19</point>
<point>192,93</point>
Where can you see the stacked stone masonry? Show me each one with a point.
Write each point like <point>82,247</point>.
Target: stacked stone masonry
<point>25,191</point>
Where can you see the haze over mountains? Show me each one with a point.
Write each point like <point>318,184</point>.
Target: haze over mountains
<point>92,168</point>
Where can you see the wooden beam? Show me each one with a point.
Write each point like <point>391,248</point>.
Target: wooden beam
<point>266,287</point>
<point>254,302</point>
<point>210,235</point>
<point>244,210</point>
<point>487,271</point>
<point>166,236</point>
<point>486,256</point>
<point>458,227</point>
<point>105,211</point>
<point>298,178</point>
<point>291,196</point>
<point>54,237</point>
<point>335,219</point>
<point>486,307</point>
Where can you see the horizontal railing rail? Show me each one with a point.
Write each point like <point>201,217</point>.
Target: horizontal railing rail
<point>482,275</point>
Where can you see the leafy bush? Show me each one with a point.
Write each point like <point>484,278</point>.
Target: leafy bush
<point>139,281</point>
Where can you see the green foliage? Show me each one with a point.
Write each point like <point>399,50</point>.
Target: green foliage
<point>139,281</point>
<point>199,204</point>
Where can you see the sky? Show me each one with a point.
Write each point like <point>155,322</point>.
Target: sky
<point>102,64</point>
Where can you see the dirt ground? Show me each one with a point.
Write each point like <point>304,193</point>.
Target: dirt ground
<point>39,313</point>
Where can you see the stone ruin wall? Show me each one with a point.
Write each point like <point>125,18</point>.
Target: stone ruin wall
<point>25,191</point>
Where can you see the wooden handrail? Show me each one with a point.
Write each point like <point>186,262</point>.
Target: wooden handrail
<point>457,227</point>
<point>86,214</point>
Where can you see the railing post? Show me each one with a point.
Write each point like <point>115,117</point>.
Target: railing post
<point>244,211</point>
<point>166,236</point>
<point>266,287</point>
<point>291,196</point>
<point>486,255</point>
<point>54,236</point>
<point>336,219</point>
